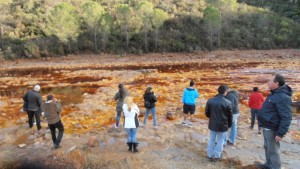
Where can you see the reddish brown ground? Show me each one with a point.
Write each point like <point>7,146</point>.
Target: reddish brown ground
<point>86,84</point>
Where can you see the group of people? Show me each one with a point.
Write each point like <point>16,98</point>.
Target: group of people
<point>273,115</point>
<point>51,109</point>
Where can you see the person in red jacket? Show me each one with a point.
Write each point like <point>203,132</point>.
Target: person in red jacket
<point>256,99</point>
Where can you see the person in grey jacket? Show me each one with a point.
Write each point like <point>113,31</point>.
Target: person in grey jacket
<point>34,101</point>
<point>275,117</point>
<point>233,96</point>
<point>119,97</point>
<point>52,110</point>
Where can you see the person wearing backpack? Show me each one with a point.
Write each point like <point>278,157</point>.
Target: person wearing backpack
<point>150,99</point>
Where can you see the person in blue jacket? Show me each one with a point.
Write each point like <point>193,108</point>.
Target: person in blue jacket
<point>275,117</point>
<point>189,97</point>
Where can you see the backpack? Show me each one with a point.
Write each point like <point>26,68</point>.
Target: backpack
<point>147,104</point>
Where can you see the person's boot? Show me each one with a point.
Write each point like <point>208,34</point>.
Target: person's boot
<point>135,147</point>
<point>130,146</point>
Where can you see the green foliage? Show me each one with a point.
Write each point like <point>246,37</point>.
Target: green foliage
<point>64,23</point>
<point>34,28</point>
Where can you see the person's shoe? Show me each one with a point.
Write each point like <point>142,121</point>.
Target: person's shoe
<point>135,147</point>
<point>262,166</point>
<point>190,125</point>
<point>250,127</point>
<point>155,127</point>
<point>259,132</point>
<point>217,159</point>
<point>230,144</point>
<point>184,123</point>
<point>116,126</point>
<point>210,159</point>
<point>130,146</point>
<point>56,146</point>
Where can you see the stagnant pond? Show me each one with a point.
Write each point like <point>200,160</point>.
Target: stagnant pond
<point>86,92</point>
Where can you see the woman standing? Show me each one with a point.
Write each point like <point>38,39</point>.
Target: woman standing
<point>131,123</point>
<point>119,96</point>
<point>150,100</point>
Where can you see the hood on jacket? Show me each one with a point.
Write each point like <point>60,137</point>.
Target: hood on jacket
<point>284,89</point>
<point>233,92</point>
<point>190,88</point>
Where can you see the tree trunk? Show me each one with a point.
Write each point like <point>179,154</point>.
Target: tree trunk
<point>156,35</point>
<point>95,39</point>
<point>146,38</point>
<point>127,38</point>
<point>1,36</point>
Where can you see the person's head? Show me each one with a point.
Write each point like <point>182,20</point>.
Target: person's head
<point>222,89</point>
<point>37,88</point>
<point>255,89</point>
<point>148,90</point>
<point>192,83</point>
<point>50,97</point>
<point>276,81</point>
<point>121,90</point>
<point>129,101</point>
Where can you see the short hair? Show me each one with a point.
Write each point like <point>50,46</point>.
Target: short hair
<point>222,89</point>
<point>280,79</point>
<point>50,97</point>
<point>192,83</point>
<point>255,89</point>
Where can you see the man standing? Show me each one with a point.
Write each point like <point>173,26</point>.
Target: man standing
<point>233,96</point>
<point>256,99</point>
<point>218,110</point>
<point>275,118</point>
<point>189,97</point>
<point>52,110</point>
<point>34,101</point>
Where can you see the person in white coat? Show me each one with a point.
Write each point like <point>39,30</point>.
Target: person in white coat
<point>131,123</point>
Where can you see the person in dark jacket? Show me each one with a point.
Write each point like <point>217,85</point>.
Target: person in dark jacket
<point>34,100</point>
<point>52,110</point>
<point>275,117</point>
<point>119,97</point>
<point>255,102</point>
<point>189,97</point>
<point>219,111</point>
<point>150,99</point>
<point>233,96</point>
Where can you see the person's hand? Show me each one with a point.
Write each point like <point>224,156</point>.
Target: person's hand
<point>54,100</point>
<point>277,138</point>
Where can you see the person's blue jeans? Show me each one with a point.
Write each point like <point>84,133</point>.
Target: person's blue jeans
<point>153,110</point>
<point>272,149</point>
<point>131,132</point>
<point>254,113</point>
<point>234,126</point>
<point>118,118</point>
<point>215,150</point>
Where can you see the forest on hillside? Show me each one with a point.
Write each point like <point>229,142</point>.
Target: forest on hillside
<point>49,28</point>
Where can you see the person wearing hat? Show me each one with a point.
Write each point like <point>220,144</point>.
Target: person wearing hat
<point>52,110</point>
<point>34,101</point>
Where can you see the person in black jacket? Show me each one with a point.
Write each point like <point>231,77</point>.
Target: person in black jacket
<point>34,100</point>
<point>219,111</point>
<point>275,117</point>
<point>150,99</point>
